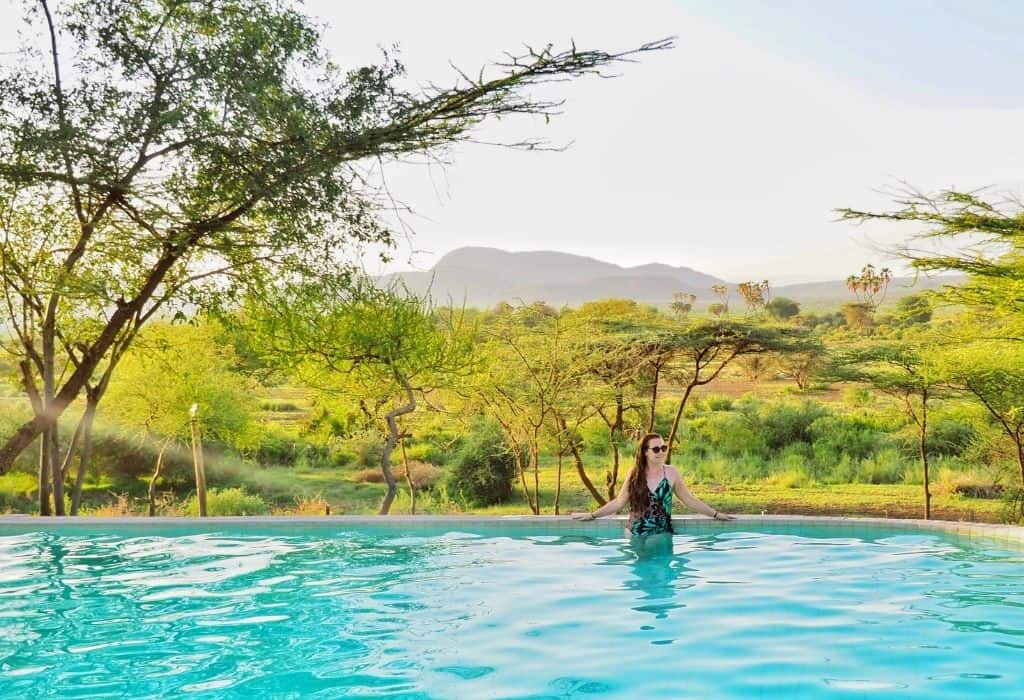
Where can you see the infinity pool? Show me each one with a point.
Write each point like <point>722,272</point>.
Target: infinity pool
<point>721,613</point>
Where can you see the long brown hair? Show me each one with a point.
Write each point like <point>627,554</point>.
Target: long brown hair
<point>636,482</point>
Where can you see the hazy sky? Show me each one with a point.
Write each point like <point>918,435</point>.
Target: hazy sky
<point>727,154</point>
<point>730,152</point>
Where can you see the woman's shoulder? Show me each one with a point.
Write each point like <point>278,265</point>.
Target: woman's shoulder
<point>672,473</point>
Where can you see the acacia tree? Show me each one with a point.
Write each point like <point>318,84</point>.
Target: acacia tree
<point>527,385</point>
<point>380,346</point>
<point>188,148</point>
<point>993,373</point>
<point>624,353</point>
<point>705,348</point>
<point>906,371</point>
<point>756,295</point>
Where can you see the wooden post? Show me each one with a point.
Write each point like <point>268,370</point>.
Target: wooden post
<point>197,458</point>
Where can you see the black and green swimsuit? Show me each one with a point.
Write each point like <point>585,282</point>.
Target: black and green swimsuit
<point>657,516</point>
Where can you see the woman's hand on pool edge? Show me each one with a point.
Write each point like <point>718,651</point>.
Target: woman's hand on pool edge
<point>723,516</point>
<point>583,516</point>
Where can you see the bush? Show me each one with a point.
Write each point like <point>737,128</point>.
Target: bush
<point>885,467</point>
<point>787,423</point>
<point>594,434</point>
<point>368,450</point>
<point>424,475</point>
<point>234,501</point>
<point>837,435</point>
<point>730,434</point>
<point>483,469</point>
<point>789,479</point>
<point>716,402</point>
<point>949,437</point>
<point>971,484</point>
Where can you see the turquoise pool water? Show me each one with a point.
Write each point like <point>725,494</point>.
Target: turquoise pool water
<point>715,614</point>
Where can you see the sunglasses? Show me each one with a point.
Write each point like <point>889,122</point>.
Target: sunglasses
<point>659,448</point>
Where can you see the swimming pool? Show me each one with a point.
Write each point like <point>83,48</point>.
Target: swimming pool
<point>512,610</point>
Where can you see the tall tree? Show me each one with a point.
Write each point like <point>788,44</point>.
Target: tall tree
<point>379,346</point>
<point>992,371</point>
<point>705,348</point>
<point>188,148</point>
<point>907,371</point>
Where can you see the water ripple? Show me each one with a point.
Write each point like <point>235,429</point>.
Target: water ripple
<point>728,615</point>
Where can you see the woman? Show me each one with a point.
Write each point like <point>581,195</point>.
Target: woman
<point>648,492</point>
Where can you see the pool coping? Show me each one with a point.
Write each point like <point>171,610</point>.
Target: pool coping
<point>548,524</point>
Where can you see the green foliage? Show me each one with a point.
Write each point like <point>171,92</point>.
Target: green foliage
<point>995,266</point>
<point>173,367</point>
<point>949,436</point>
<point>853,435</point>
<point>230,501</point>
<point>858,396</point>
<point>784,424</point>
<point>483,470</point>
<point>783,308</point>
<point>716,402</point>
<point>914,309</point>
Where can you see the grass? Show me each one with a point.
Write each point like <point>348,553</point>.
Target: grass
<point>304,490</point>
<point>311,490</point>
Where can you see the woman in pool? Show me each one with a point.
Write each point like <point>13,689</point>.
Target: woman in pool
<point>648,493</point>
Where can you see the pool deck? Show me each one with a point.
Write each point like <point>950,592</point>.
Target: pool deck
<point>511,524</point>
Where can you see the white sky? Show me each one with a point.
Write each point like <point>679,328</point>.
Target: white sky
<point>721,155</point>
<point>726,154</point>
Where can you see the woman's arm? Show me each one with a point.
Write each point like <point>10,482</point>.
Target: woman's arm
<point>612,506</point>
<point>694,503</point>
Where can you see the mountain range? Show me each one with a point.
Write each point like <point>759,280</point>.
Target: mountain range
<point>482,277</point>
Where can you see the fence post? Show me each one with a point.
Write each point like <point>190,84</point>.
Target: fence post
<point>197,459</point>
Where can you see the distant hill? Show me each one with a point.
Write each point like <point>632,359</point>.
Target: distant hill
<point>484,276</point>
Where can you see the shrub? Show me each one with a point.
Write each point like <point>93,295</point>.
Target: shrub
<point>311,505</point>
<point>233,501</point>
<point>594,434</point>
<point>965,483</point>
<point>783,424</point>
<point>483,469</point>
<point>368,450</point>
<point>857,396</point>
<point>789,479</point>
<point>716,402</point>
<point>424,475</point>
<point>885,467</point>
<point>949,437</point>
<point>836,435</point>
<point>731,434</point>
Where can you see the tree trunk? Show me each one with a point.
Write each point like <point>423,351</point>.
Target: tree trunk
<point>558,473</point>
<point>1020,457</point>
<point>392,440</point>
<point>613,474</point>
<point>535,463</point>
<point>44,474</point>
<point>408,480</point>
<point>577,458</point>
<point>923,424</point>
<point>156,475</point>
<point>86,453</point>
<point>91,358</point>
<point>675,421</point>
<point>57,477</point>
<point>198,462</point>
<point>654,397</point>
<point>52,433</point>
